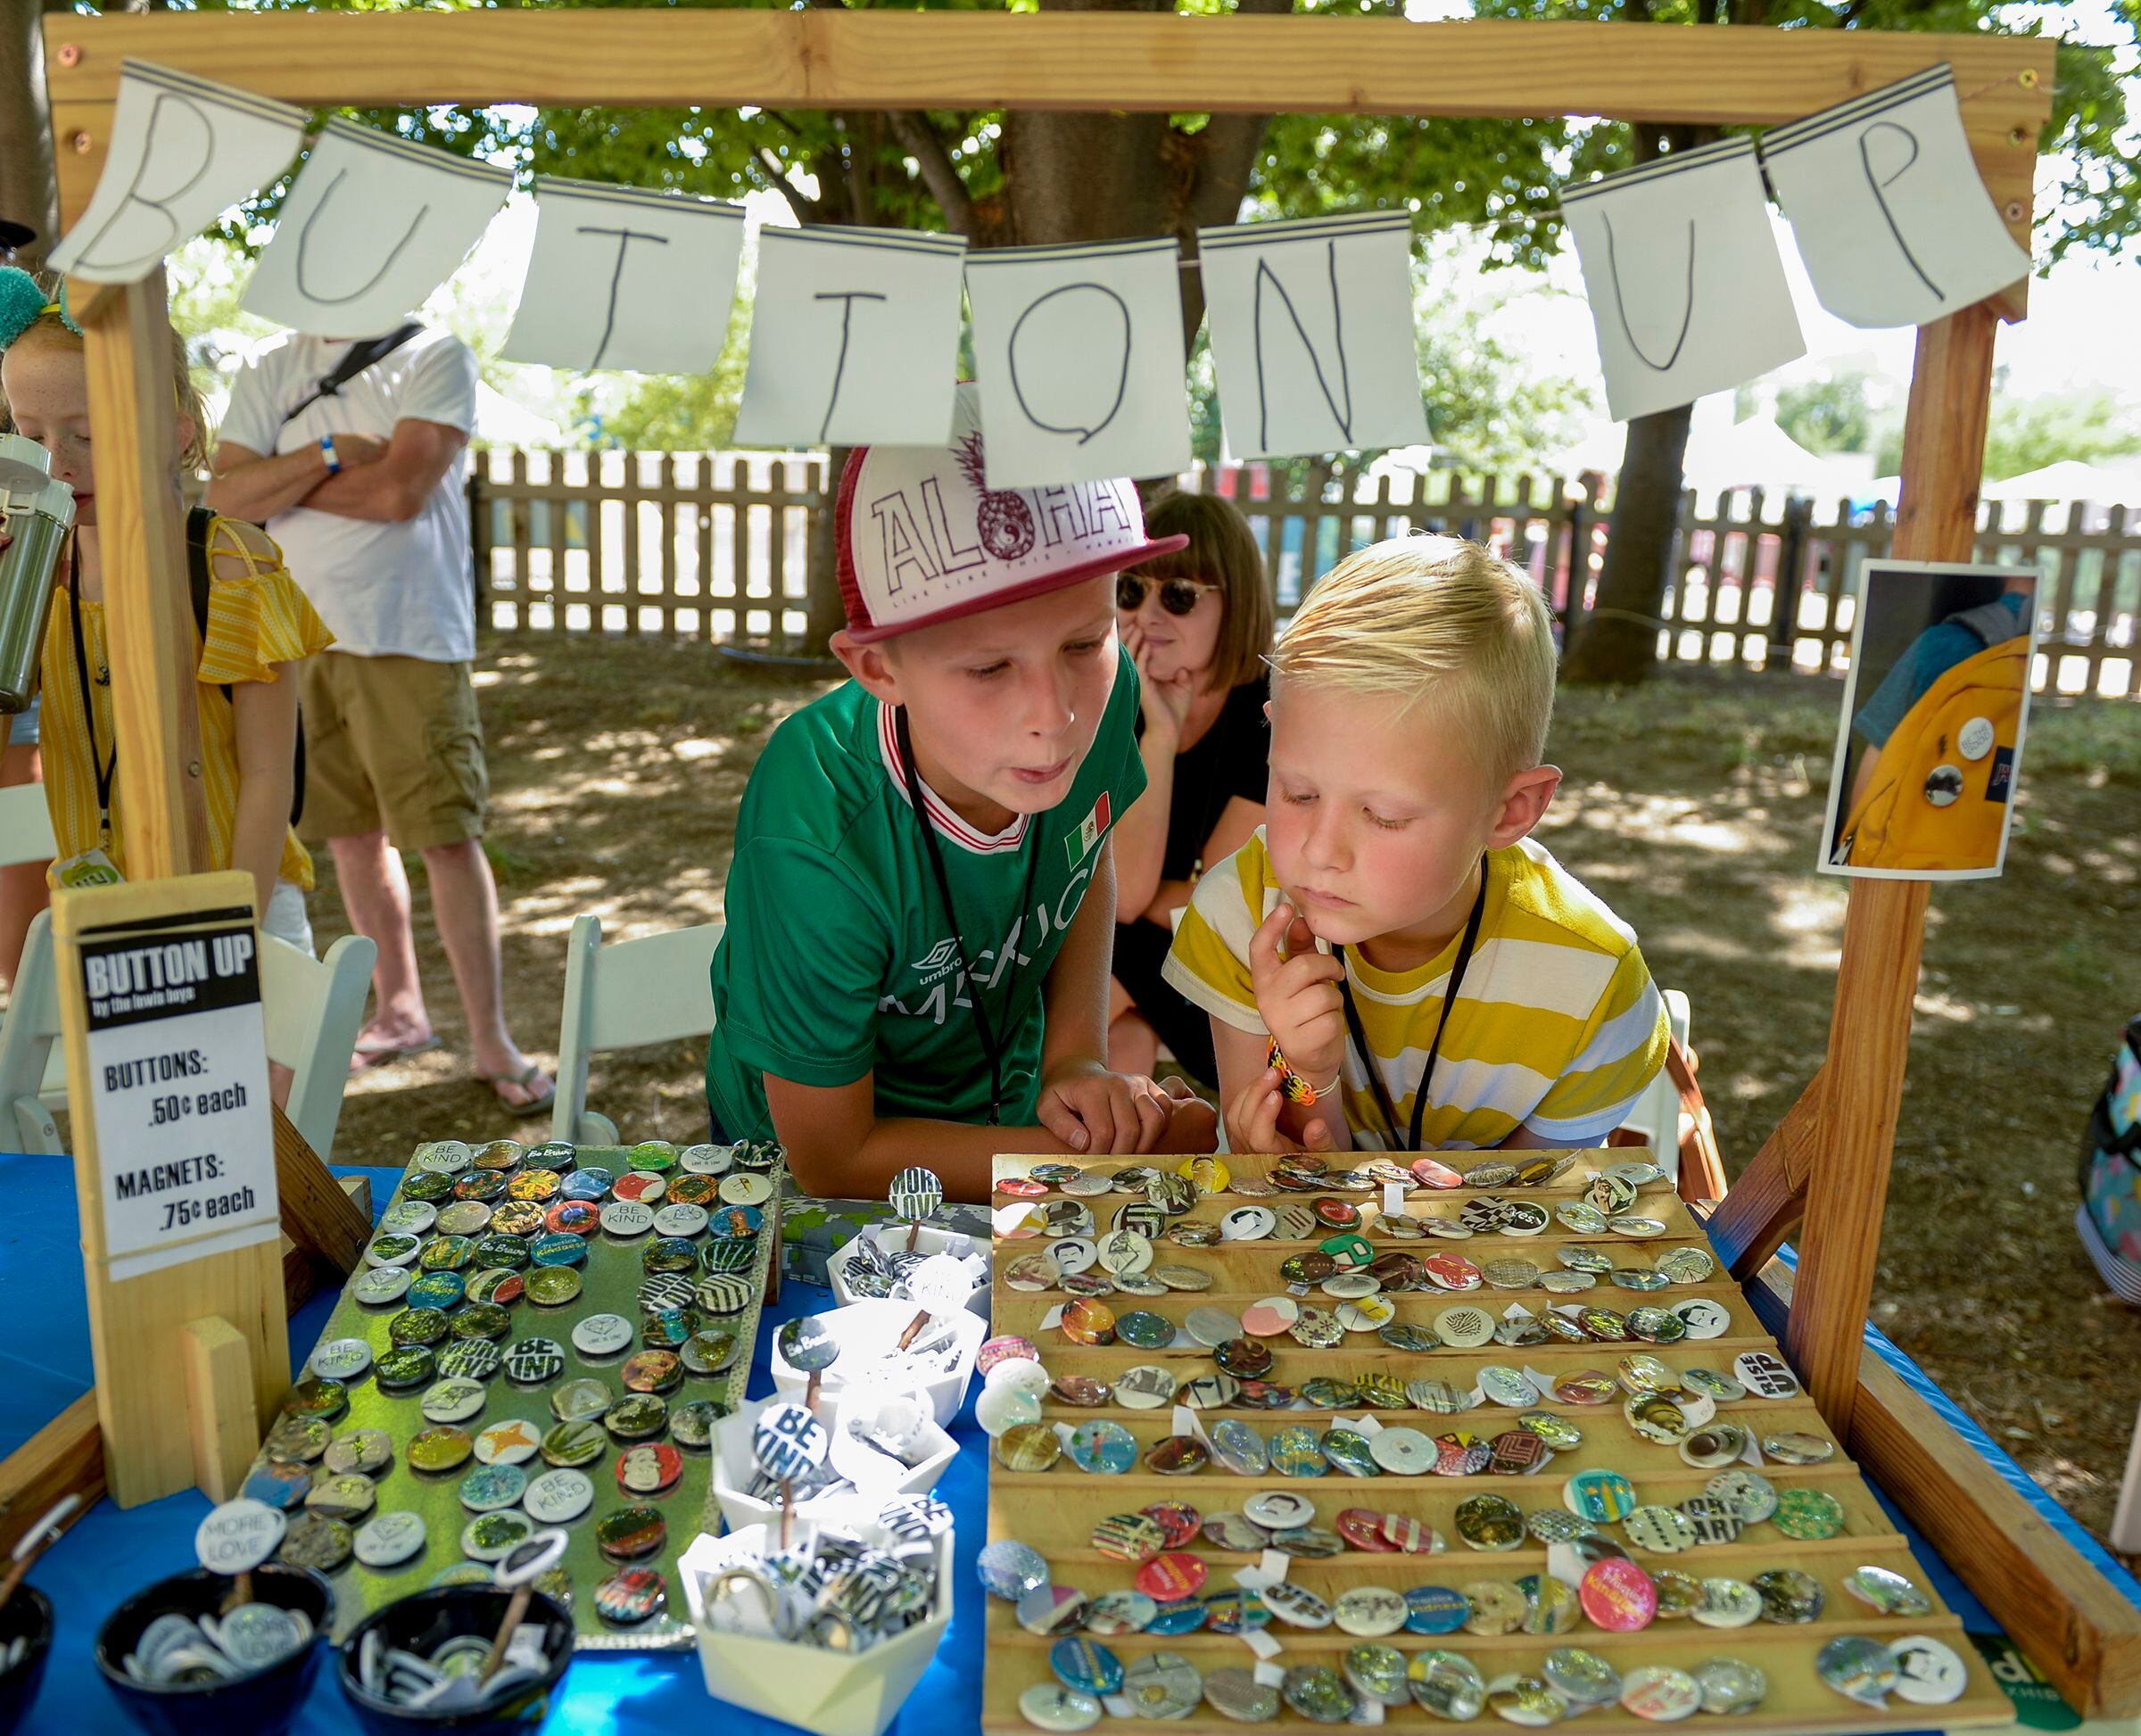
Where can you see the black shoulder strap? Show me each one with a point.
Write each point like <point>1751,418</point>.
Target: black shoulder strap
<point>359,357</point>
<point>197,523</point>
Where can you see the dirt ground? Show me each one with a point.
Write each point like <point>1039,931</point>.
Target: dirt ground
<point>1693,807</point>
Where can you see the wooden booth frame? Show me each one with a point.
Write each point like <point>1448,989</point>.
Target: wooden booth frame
<point>1823,1173</point>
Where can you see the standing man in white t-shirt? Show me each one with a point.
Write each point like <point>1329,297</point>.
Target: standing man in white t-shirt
<point>361,486</point>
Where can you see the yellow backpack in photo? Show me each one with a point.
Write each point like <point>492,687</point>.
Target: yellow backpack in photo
<point>1939,797</point>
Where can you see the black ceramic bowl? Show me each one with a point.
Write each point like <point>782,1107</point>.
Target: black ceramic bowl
<point>27,1617</point>
<point>262,1704</point>
<point>425,1620</point>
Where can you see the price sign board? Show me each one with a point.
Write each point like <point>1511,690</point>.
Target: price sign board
<point>159,986</point>
<point>179,1086</point>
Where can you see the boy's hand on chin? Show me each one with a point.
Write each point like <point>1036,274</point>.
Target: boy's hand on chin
<point>1091,1110</point>
<point>1297,996</point>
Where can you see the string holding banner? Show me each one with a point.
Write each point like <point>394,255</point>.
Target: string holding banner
<point>1079,349</point>
<point>624,277</point>
<point>1681,268</point>
<point>1888,208</point>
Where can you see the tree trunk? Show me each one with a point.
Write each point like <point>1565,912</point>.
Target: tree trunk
<point>827,614</point>
<point>29,191</point>
<point>1618,640</point>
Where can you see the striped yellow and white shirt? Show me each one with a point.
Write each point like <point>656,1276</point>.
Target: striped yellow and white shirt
<point>255,623</point>
<point>1557,1029</point>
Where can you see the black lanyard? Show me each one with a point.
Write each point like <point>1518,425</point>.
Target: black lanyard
<point>1434,1049</point>
<point>105,770</point>
<point>993,1043</point>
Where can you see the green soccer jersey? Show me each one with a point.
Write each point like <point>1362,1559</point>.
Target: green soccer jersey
<point>839,956</point>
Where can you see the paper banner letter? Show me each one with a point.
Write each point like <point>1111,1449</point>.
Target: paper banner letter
<point>1077,352</point>
<point>622,277</point>
<point>373,226</point>
<point>1311,334</point>
<point>1681,268</point>
<point>1887,207</point>
<point>183,149</point>
<point>855,338</point>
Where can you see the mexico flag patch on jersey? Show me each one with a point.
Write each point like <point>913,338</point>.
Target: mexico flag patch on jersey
<point>1078,844</point>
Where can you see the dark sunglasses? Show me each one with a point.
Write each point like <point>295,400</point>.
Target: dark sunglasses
<point>1177,596</point>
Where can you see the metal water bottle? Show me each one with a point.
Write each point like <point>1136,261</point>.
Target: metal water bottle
<point>38,514</point>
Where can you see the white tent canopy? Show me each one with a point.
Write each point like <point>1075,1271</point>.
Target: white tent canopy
<point>2070,479</point>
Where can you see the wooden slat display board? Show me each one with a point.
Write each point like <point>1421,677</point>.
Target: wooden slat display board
<point>1055,1511</point>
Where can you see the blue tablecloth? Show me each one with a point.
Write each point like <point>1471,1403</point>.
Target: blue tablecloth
<point>45,1366</point>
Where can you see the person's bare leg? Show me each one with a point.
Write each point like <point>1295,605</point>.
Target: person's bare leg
<point>464,902</point>
<point>22,893</point>
<point>375,892</point>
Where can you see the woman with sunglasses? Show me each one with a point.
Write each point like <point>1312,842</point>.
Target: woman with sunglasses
<point>1198,623</point>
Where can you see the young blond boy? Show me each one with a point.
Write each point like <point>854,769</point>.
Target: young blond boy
<point>1424,965</point>
<point>921,903</point>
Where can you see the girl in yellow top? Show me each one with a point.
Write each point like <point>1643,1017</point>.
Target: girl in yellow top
<point>259,623</point>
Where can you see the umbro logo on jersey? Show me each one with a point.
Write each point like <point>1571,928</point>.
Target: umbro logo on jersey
<point>939,955</point>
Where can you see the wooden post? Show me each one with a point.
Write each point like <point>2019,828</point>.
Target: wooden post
<point>140,533</point>
<point>221,1425</point>
<point>1884,924</point>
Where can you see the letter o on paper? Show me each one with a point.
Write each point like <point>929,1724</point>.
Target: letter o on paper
<point>1070,359</point>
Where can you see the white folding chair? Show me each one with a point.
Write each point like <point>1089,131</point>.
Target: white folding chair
<point>313,1010</point>
<point>25,825</point>
<point>1656,1112</point>
<point>654,989</point>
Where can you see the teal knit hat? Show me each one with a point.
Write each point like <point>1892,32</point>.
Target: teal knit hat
<point>22,303</point>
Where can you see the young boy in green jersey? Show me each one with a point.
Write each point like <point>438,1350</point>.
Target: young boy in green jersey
<point>1427,973</point>
<point>921,903</point>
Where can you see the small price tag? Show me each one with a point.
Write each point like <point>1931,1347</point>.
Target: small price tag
<point>1264,1645</point>
<point>1541,1382</point>
<point>237,1536</point>
<point>1393,1199</point>
<point>1187,1422</point>
<point>1368,1427</point>
<point>1267,1675</point>
<point>1250,1579</point>
<point>1053,1318</point>
<point>1365,1710</point>
<point>1063,1432</point>
<point>1274,1565</point>
<point>1119,1706</point>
